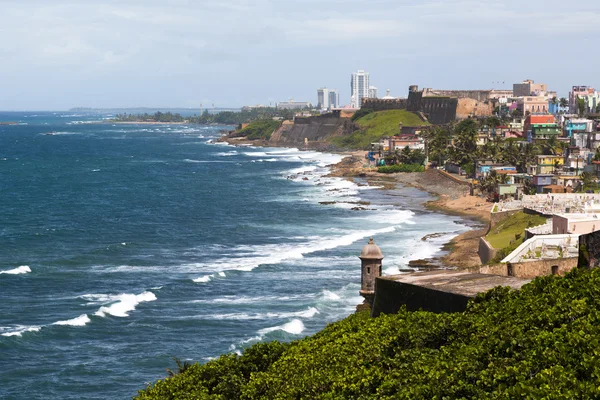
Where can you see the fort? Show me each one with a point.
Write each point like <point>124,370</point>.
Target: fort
<point>441,106</point>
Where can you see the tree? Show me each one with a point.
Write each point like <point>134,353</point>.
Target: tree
<point>580,106</point>
<point>587,181</point>
<point>437,140</point>
<point>516,113</point>
<point>464,151</point>
<point>564,103</point>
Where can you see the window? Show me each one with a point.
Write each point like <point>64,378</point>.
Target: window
<point>554,270</point>
<point>368,270</point>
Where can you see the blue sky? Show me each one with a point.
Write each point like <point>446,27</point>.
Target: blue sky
<point>57,54</point>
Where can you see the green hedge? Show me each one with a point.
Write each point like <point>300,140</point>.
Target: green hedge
<point>540,342</point>
<point>401,168</point>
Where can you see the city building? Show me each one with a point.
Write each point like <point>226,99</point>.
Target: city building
<point>327,98</point>
<point>582,92</point>
<point>533,104</point>
<point>294,105</point>
<point>334,98</point>
<point>359,88</point>
<point>540,127</point>
<point>372,92</point>
<point>529,88</point>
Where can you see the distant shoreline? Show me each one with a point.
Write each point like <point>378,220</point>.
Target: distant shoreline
<point>145,123</point>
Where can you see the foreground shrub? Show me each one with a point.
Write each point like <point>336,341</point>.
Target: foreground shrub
<point>539,342</point>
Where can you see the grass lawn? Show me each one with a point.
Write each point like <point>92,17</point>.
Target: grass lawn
<point>375,125</point>
<point>505,231</point>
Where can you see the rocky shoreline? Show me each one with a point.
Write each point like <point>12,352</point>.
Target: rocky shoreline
<point>452,198</point>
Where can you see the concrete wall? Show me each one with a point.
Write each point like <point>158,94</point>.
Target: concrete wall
<point>485,251</point>
<point>531,269</point>
<point>391,295</point>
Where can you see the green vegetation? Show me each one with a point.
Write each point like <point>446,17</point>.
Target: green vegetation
<point>361,113</point>
<point>540,342</point>
<point>375,125</point>
<point>504,232</point>
<point>260,129</point>
<point>223,117</point>
<point>401,168</point>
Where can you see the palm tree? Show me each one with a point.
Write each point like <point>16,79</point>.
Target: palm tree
<point>564,103</point>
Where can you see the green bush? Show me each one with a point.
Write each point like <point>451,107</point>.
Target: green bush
<point>390,169</point>
<point>540,342</point>
<point>361,113</point>
<point>259,129</point>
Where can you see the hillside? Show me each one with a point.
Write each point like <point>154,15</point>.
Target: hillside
<point>331,129</point>
<point>375,125</point>
<point>539,342</point>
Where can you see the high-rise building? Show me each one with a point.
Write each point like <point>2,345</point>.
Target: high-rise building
<point>334,98</point>
<point>359,88</point>
<point>327,98</point>
<point>372,92</point>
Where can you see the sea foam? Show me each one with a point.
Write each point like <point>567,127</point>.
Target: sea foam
<point>126,303</point>
<point>23,269</point>
<point>295,327</point>
<point>20,329</point>
<point>82,320</point>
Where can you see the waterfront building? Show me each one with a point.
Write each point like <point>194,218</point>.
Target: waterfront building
<point>359,88</point>
<point>294,105</point>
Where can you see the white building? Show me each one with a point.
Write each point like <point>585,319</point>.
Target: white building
<point>359,88</point>
<point>327,98</point>
<point>372,92</point>
<point>294,105</point>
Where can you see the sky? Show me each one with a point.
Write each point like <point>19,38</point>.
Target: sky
<point>58,54</point>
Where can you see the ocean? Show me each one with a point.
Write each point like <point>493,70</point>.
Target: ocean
<point>122,246</point>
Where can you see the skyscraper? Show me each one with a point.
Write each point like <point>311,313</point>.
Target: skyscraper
<point>359,87</point>
<point>327,98</point>
<point>334,98</point>
<point>372,92</point>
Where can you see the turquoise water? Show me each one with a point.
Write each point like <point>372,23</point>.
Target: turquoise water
<point>122,246</point>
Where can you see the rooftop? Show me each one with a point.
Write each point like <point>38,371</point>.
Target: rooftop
<point>458,282</point>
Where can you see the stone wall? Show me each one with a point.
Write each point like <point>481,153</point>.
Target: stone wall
<point>485,251</point>
<point>390,295</point>
<point>477,95</point>
<point>384,104</point>
<point>314,129</point>
<point>531,269</point>
<point>589,250</point>
<point>469,107</point>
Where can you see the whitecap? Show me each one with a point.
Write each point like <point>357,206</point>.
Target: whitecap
<point>19,330</point>
<point>295,327</point>
<point>330,295</point>
<point>126,303</point>
<point>222,274</point>
<point>79,321</point>
<point>203,279</point>
<point>23,269</point>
